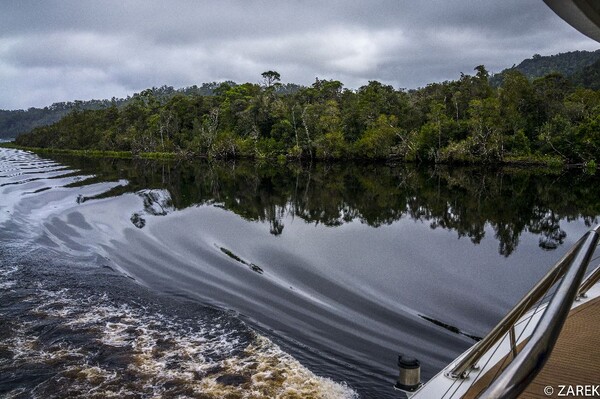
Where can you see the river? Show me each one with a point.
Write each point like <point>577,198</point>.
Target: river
<point>195,279</point>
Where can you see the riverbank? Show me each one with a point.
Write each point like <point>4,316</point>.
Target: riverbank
<point>518,161</point>
<point>93,153</point>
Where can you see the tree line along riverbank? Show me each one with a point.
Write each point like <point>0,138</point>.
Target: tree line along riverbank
<point>547,120</point>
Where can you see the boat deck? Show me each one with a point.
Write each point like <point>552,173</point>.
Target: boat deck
<point>574,360</point>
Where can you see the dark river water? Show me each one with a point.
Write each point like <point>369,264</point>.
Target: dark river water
<point>139,278</point>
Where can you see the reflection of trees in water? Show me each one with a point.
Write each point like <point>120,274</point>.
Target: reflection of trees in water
<point>156,203</point>
<point>548,227</point>
<point>464,200</point>
<point>275,217</point>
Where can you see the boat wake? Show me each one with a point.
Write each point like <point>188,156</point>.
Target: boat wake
<point>69,328</point>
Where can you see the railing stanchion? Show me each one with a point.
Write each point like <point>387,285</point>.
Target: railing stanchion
<point>513,341</point>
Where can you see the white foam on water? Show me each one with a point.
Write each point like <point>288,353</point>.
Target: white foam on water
<point>6,277</point>
<point>161,356</point>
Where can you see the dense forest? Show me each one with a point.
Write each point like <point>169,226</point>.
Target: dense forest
<point>581,67</point>
<point>16,122</point>
<point>467,120</point>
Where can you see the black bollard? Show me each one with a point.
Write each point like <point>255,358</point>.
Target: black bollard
<point>409,379</point>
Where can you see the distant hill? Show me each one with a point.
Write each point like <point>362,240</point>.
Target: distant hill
<point>567,64</point>
<point>564,63</point>
<point>15,122</point>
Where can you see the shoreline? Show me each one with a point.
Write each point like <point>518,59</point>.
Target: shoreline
<point>546,161</point>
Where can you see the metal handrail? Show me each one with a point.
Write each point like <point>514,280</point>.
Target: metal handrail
<point>462,368</point>
<point>589,282</point>
<point>531,359</point>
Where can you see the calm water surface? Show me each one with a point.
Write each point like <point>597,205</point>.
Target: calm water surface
<point>131,277</point>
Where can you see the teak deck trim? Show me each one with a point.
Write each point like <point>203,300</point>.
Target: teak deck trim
<point>575,359</point>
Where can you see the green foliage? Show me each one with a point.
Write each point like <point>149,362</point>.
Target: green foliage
<point>13,123</point>
<point>331,146</point>
<point>378,140</point>
<point>518,144</point>
<point>588,134</point>
<point>590,167</point>
<point>295,152</point>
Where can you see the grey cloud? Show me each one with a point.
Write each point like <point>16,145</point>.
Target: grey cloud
<point>62,50</point>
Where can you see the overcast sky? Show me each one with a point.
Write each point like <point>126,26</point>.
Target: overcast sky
<point>60,50</point>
